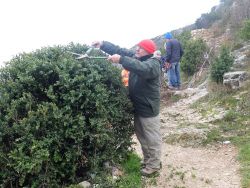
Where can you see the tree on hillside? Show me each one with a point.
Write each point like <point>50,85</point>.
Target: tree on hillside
<point>221,64</point>
<point>193,56</point>
<point>206,20</point>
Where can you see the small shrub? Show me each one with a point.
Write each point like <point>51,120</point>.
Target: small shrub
<point>245,31</point>
<point>193,56</point>
<point>221,65</point>
<point>230,116</point>
<point>213,136</point>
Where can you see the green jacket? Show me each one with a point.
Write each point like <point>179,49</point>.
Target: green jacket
<point>144,79</point>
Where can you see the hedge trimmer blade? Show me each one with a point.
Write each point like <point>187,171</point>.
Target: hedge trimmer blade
<point>90,57</point>
<point>86,55</point>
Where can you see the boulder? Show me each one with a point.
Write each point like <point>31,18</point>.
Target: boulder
<point>235,79</point>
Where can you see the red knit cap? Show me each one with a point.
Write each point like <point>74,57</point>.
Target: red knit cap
<point>148,45</point>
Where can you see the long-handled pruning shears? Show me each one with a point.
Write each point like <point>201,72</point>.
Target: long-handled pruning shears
<point>86,55</point>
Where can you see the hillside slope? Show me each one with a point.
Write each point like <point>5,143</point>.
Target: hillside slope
<point>221,120</point>
<point>185,162</point>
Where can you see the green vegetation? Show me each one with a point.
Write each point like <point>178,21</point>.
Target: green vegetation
<point>245,31</point>
<point>184,37</point>
<point>234,126</point>
<point>175,98</point>
<point>245,162</point>
<point>61,118</point>
<point>193,56</point>
<point>213,136</point>
<point>221,64</point>
<point>206,20</point>
<point>132,176</point>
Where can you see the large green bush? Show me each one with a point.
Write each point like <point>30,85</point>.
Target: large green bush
<point>60,118</point>
<point>221,64</point>
<point>193,56</point>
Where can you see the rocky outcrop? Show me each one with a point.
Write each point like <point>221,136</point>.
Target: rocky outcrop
<point>211,38</point>
<point>242,57</point>
<point>235,79</point>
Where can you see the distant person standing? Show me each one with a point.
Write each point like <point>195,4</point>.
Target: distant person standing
<point>174,52</point>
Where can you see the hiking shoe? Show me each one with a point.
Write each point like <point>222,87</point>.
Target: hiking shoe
<point>171,87</point>
<point>178,88</point>
<point>149,172</point>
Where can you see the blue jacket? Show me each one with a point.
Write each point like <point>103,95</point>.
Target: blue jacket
<point>174,51</point>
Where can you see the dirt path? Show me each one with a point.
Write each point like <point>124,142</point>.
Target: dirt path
<point>185,163</point>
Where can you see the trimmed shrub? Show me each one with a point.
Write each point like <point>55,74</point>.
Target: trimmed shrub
<point>60,118</point>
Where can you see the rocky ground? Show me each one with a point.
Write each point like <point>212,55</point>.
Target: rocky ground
<point>185,162</point>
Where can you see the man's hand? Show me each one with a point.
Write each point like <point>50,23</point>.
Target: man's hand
<point>167,65</point>
<point>96,44</point>
<point>114,58</point>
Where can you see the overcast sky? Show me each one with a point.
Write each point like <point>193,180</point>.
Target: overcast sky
<point>27,25</point>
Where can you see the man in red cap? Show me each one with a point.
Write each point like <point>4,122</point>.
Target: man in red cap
<point>144,92</point>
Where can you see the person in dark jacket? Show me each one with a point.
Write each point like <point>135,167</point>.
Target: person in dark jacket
<point>144,92</point>
<point>174,52</point>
